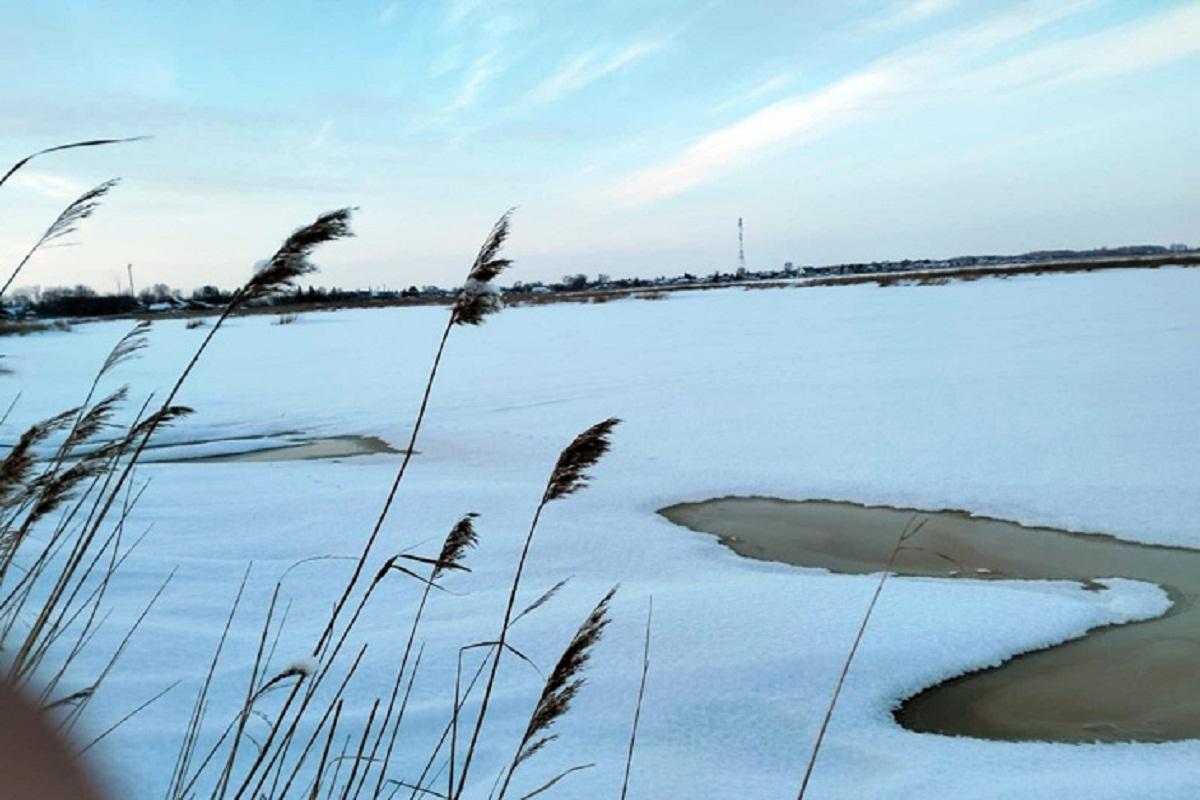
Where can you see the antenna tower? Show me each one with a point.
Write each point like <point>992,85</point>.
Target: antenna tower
<point>741,248</point>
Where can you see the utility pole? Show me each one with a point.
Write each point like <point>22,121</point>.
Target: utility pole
<point>741,250</point>
<point>129,269</point>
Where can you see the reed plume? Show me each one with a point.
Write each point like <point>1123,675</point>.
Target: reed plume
<point>462,537</point>
<point>570,473</point>
<point>561,687</point>
<point>65,224</point>
<point>93,420</point>
<point>126,348</point>
<point>568,476</point>
<point>479,297</point>
<point>543,598</point>
<point>17,467</point>
<point>291,260</point>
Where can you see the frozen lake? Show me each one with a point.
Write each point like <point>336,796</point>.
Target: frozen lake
<point>1061,401</point>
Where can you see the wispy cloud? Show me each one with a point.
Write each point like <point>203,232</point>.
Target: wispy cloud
<point>590,67</point>
<point>388,15</point>
<point>478,75</point>
<point>1144,44</point>
<point>785,121</point>
<point>321,136</point>
<point>758,90</point>
<point>57,187</point>
<point>458,11</point>
<point>909,11</point>
<point>938,67</point>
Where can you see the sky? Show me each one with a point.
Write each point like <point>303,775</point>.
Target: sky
<point>630,135</point>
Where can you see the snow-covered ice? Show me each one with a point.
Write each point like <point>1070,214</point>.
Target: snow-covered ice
<point>1067,401</point>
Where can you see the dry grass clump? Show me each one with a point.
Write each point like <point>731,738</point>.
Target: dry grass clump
<point>286,318</point>
<point>78,494</point>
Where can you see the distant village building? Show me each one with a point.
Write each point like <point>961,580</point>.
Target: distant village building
<point>1178,248</point>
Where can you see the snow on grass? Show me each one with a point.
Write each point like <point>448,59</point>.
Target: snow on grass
<point>1069,401</point>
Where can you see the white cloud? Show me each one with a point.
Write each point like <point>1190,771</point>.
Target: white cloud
<point>937,67</point>
<point>779,123</point>
<point>57,187</point>
<point>588,68</point>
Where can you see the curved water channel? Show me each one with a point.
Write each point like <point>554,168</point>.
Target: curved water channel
<point>1131,682</point>
<point>332,447</point>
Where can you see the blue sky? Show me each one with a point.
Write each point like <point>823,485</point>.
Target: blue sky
<point>631,134</point>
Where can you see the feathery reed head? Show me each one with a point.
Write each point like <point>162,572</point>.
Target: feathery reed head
<point>462,537</point>
<point>570,473</point>
<point>164,416</point>
<point>566,680</point>
<point>59,487</point>
<point>17,467</point>
<point>291,259</point>
<point>79,210</point>
<point>127,347</point>
<point>479,296</point>
<point>487,266</point>
<point>543,598</point>
<point>94,419</point>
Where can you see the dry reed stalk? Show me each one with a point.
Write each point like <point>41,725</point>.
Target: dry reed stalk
<point>462,537</point>
<point>244,716</point>
<point>637,711</point>
<point>316,788</point>
<point>192,732</point>
<point>910,530</point>
<point>568,476</point>
<point>338,768</point>
<point>361,746</point>
<point>289,262</point>
<point>449,730</point>
<point>88,143</point>
<point>277,758</point>
<point>321,723</point>
<point>470,309</point>
<point>25,586</point>
<point>383,765</point>
<point>548,785</point>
